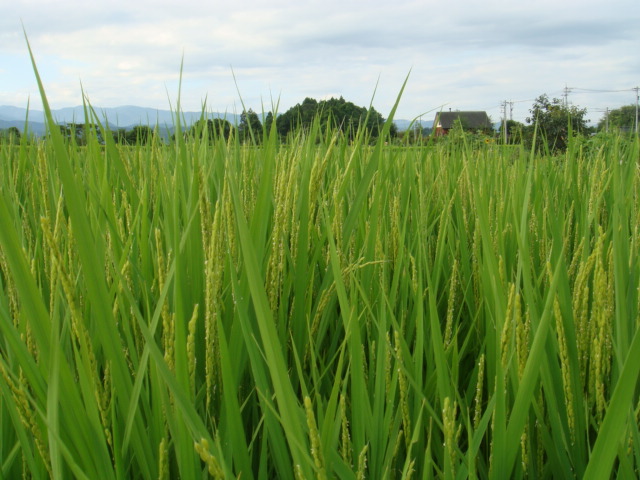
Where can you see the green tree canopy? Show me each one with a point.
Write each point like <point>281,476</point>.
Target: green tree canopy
<point>334,112</point>
<point>73,131</point>
<point>515,132</point>
<point>80,132</point>
<point>250,128</point>
<point>214,129</point>
<point>139,134</point>
<point>120,135</point>
<point>300,115</point>
<point>555,122</point>
<point>268,122</point>
<point>10,135</point>
<point>623,118</point>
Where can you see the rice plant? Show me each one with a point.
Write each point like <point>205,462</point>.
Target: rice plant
<point>323,307</point>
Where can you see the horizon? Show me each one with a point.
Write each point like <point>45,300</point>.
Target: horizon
<point>467,56</point>
<point>428,119</point>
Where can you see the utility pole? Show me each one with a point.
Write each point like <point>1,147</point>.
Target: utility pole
<point>566,95</point>
<point>606,120</point>
<point>505,126</point>
<point>503,107</point>
<point>637,98</point>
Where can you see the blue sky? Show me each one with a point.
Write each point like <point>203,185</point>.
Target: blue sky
<point>466,55</point>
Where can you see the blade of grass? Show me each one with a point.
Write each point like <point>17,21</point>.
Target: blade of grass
<point>90,250</point>
<point>286,398</point>
<point>612,429</point>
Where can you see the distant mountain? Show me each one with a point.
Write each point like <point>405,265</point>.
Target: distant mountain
<point>404,125</point>
<point>36,128</point>
<point>126,116</point>
<point>8,113</point>
<point>117,117</point>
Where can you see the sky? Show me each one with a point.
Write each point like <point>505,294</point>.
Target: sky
<point>459,55</point>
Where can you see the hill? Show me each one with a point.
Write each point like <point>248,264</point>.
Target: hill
<point>116,117</point>
<point>126,116</point>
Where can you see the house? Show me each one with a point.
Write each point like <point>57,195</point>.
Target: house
<point>444,121</point>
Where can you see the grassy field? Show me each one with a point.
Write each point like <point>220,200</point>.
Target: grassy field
<point>322,308</point>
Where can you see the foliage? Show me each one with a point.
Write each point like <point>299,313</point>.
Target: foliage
<point>120,135</point>
<point>73,132</point>
<point>515,132</point>
<point>298,116</point>
<point>416,135</point>
<point>268,121</point>
<point>250,127</point>
<point>213,129</point>
<point>10,135</point>
<point>555,123</point>
<point>78,133</point>
<point>318,310</point>
<point>458,131</point>
<point>140,134</point>
<point>335,113</point>
<point>623,118</point>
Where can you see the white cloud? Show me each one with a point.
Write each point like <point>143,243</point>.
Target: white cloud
<point>470,54</point>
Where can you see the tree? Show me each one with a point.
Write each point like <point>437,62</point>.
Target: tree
<point>300,115</point>
<point>80,132</point>
<point>334,112</point>
<point>68,132</point>
<point>556,122</point>
<point>268,122</point>
<point>250,128</point>
<point>10,135</point>
<point>217,128</point>
<point>140,134</point>
<point>120,135</point>
<point>515,132</point>
<point>623,118</point>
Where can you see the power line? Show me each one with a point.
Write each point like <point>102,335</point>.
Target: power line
<point>595,90</point>
<point>566,95</point>
<point>522,101</point>
<point>508,115</point>
<point>567,90</point>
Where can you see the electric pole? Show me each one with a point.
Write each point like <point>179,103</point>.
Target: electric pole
<point>566,95</point>
<point>637,98</point>
<point>503,107</point>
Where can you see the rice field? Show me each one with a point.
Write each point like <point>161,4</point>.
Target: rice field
<point>320,308</point>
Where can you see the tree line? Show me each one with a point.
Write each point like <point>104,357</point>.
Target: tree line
<point>552,122</point>
<point>10,135</point>
<point>78,133</point>
<point>334,113</point>
<point>549,126</point>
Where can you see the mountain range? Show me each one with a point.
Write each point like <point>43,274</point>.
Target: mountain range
<point>121,117</point>
<point>125,117</point>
